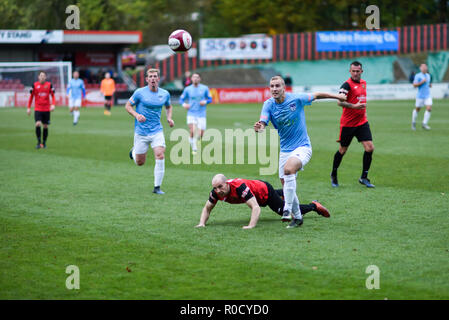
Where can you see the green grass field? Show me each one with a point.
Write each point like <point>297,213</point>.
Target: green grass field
<point>83,202</point>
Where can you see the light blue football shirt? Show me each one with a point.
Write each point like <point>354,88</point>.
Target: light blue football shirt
<point>424,89</point>
<point>289,119</point>
<point>149,104</point>
<point>76,89</point>
<point>194,95</point>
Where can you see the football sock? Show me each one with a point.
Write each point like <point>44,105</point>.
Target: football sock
<point>192,143</point>
<point>414,115</point>
<point>134,156</point>
<point>76,115</point>
<point>337,160</point>
<point>45,134</point>
<point>38,134</point>
<point>307,208</point>
<point>289,191</point>
<point>159,169</point>
<point>296,209</point>
<point>367,157</point>
<point>426,117</point>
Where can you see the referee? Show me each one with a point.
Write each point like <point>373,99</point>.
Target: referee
<point>354,123</point>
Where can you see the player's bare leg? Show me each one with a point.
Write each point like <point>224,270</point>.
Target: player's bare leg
<point>140,159</point>
<point>159,168</point>
<point>367,158</point>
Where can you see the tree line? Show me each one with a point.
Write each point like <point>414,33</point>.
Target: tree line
<point>218,18</point>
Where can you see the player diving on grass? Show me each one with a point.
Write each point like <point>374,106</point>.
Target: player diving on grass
<point>195,98</point>
<point>286,112</point>
<point>255,193</point>
<point>148,131</point>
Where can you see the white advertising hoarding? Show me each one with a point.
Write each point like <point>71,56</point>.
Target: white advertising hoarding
<point>31,36</point>
<point>236,48</point>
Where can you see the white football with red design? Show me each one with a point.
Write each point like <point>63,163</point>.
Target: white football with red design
<point>180,41</point>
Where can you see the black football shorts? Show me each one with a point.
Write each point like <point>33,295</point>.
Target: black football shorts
<point>362,133</point>
<point>42,116</point>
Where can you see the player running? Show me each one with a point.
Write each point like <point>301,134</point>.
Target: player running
<point>422,81</point>
<point>76,92</point>
<point>195,98</point>
<point>41,92</point>
<point>354,123</point>
<point>255,193</point>
<point>147,126</point>
<point>286,112</point>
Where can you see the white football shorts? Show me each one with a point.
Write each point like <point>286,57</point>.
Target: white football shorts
<point>199,122</point>
<point>74,103</point>
<point>142,143</point>
<point>302,153</point>
<point>423,102</point>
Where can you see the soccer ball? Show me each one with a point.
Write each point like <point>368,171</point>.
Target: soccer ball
<point>180,41</point>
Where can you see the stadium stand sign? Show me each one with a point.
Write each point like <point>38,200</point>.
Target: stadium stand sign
<point>31,36</point>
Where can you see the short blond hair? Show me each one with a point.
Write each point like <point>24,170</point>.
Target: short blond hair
<point>152,70</point>
<point>278,78</point>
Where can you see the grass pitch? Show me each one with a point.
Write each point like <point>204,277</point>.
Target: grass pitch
<point>83,202</point>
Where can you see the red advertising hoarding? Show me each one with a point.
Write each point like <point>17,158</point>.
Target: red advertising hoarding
<point>241,95</point>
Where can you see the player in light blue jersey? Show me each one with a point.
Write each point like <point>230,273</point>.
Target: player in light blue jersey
<point>195,99</point>
<point>286,113</point>
<point>148,131</point>
<point>76,92</point>
<point>422,81</point>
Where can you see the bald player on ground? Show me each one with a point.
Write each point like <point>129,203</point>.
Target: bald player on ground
<point>255,193</point>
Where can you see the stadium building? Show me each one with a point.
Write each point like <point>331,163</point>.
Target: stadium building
<point>92,53</point>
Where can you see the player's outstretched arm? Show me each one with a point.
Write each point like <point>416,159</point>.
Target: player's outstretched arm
<point>357,105</point>
<point>255,213</point>
<point>205,214</point>
<point>324,95</point>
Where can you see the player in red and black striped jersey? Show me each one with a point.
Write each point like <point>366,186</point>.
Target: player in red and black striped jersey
<point>354,123</point>
<point>41,92</point>
<point>255,193</point>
